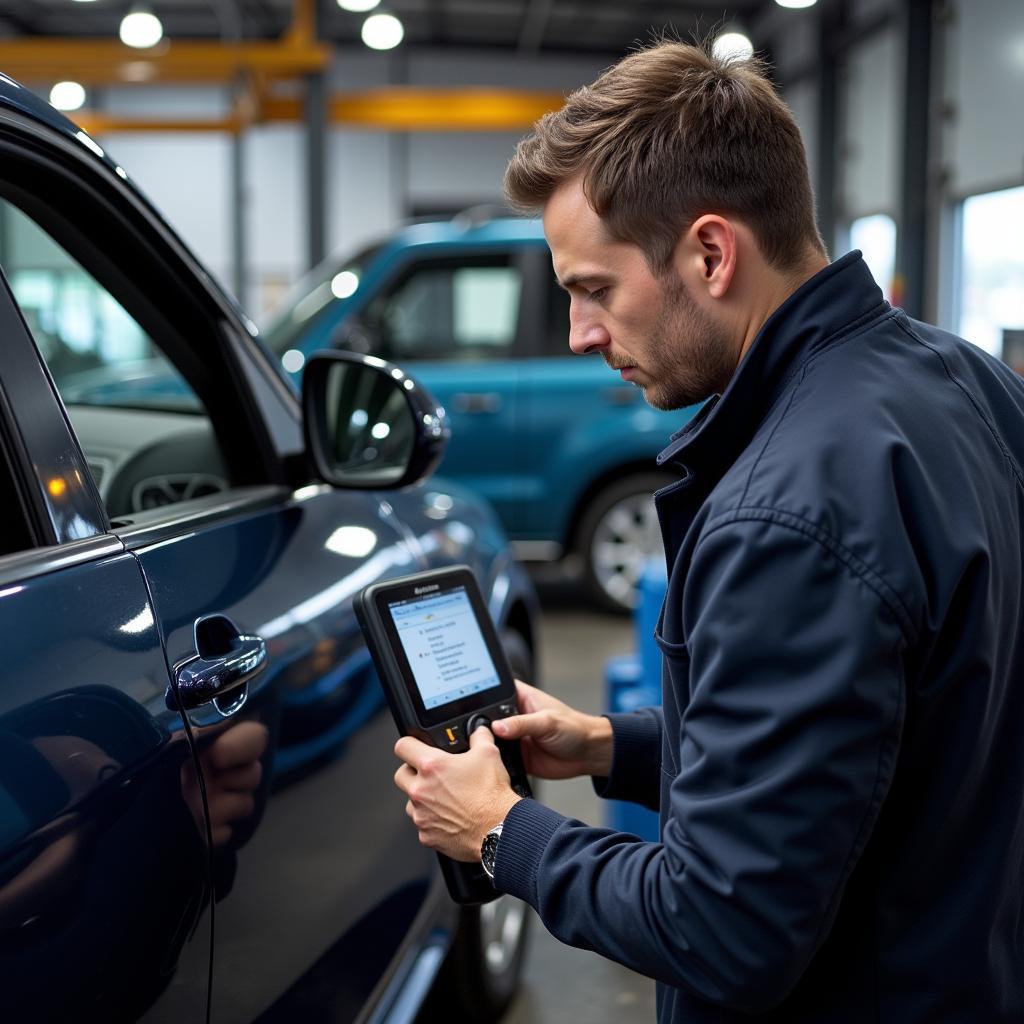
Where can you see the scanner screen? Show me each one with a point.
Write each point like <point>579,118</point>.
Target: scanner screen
<point>445,647</point>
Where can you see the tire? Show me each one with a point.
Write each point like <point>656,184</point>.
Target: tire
<point>481,973</point>
<point>618,532</point>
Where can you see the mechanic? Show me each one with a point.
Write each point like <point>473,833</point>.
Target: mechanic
<point>838,761</point>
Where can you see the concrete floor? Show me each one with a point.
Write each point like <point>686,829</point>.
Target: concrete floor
<point>560,983</point>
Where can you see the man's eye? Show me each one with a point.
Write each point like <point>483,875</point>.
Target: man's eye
<point>598,294</point>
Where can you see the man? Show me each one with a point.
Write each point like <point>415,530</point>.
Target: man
<point>838,761</point>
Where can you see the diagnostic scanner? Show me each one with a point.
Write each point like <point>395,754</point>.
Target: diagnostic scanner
<point>445,673</point>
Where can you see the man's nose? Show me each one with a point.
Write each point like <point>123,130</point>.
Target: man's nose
<point>586,335</point>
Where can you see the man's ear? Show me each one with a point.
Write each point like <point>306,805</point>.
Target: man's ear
<point>706,253</point>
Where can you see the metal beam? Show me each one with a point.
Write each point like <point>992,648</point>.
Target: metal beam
<point>535,23</point>
<point>316,169</point>
<point>830,22</point>
<point>915,185</point>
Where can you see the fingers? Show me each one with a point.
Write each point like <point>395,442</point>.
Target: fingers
<point>414,752</point>
<point>481,737</point>
<point>537,723</point>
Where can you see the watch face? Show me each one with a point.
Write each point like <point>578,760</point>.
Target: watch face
<point>489,851</point>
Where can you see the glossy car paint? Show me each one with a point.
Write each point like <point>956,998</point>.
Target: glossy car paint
<point>114,873</point>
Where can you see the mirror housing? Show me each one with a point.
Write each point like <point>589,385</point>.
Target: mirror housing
<point>368,424</point>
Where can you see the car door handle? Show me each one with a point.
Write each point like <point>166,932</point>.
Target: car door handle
<point>476,401</point>
<point>224,663</point>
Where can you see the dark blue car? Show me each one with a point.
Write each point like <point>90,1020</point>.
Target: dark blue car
<point>197,814</point>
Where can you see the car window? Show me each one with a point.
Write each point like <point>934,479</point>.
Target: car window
<point>97,354</point>
<point>556,321</point>
<point>141,426</point>
<point>465,312</point>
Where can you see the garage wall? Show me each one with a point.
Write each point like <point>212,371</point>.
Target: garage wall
<point>984,87</point>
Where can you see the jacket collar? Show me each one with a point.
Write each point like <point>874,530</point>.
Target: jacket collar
<point>827,306</point>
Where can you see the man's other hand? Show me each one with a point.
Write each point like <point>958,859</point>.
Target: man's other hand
<point>454,799</point>
<point>558,742</point>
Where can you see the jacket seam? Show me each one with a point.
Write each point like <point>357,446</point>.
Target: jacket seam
<point>859,326</point>
<point>870,577</point>
<point>901,322</point>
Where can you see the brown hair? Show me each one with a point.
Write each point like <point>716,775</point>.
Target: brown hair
<point>668,134</point>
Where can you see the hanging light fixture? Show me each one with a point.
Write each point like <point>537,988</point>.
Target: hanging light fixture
<point>733,46</point>
<point>141,29</point>
<point>382,31</point>
<point>67,96</point>
<point>358,6</point>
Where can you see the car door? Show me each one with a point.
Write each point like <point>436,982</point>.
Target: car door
<point>316,878</point>
<point>105,910</point>
<point>455,321</point>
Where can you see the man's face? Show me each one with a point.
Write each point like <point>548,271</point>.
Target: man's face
<point>647,327</point>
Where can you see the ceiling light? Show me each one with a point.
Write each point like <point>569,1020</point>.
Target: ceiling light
<point>141,30</point>
<point>796,4</point>
<point>382,31</point>
<point>733,46</point>
<point>67,96</point>
<point>358,6</point>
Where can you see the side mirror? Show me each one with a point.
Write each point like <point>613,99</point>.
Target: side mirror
<point>368,424</point>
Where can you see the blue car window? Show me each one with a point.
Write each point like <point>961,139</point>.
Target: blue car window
<point>141,426</point>
<point>467,312</point>
<point>97,354</point>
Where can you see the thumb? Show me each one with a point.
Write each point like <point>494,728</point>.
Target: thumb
<point>517,726</point>
<point>481,737</point>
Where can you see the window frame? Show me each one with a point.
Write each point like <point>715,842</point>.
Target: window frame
<point>198,328</point>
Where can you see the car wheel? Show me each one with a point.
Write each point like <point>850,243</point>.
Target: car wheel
<point>618,533</point>
<point>481,974</point>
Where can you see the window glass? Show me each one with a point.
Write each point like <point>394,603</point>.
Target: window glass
<point>98,355</point>
<point>992,273</point>
<point>557,321</point>
<point>875,236</point>
<point>139,423</point>
<point>449,312</point>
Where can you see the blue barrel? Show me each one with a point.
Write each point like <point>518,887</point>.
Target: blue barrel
<point>634,681</point>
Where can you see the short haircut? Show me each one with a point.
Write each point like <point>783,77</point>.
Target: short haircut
<point>670,133</point>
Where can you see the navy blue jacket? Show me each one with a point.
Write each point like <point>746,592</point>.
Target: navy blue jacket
<point>839,763</point>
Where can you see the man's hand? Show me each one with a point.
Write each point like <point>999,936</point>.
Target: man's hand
<point>454,799</point>
<point>558,742</point>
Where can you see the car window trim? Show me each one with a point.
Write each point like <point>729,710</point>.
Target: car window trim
<point>22,566</point>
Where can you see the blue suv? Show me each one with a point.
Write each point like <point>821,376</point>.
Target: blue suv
<point>561,447</point>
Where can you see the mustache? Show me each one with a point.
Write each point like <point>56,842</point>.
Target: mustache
<point>618,364</point>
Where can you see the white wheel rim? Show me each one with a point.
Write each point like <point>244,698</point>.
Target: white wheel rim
<point>625,538</point>
<point>501,930</point>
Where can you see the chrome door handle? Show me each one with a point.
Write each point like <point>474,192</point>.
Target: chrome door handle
<point>477,401</point>
<point>224,663</point>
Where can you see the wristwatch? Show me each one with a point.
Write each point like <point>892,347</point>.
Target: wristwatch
<point>489,850</point>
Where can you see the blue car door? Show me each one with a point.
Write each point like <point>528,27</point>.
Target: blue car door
<point>104,880</point>
<point>456,322</point>
<point>315,877</point>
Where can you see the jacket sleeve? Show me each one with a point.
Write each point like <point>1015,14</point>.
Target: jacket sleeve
<point>786,752</point>
<point>636,758</point>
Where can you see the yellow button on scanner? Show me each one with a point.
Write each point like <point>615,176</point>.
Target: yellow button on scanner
<point>451,736</point>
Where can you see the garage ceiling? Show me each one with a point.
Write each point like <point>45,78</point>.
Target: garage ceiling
<point>529,26</point>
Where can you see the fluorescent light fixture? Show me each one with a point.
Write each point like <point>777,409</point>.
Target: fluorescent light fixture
<point>358,6</point>
<point>67,96</point>
<point>733,46</point>
<point>141,30</point>
<point>796,5</point>
<point>382,32</point>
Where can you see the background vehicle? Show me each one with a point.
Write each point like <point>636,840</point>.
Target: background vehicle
<point>560,447</point>
<point>190,727</point>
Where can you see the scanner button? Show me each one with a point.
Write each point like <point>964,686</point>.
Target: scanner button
<point>475,722</point>
<point>504,710</point>
<point>449,736</point>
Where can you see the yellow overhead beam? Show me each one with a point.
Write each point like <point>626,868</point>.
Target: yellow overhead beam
<point>393,109</point>
<point>107,62</point>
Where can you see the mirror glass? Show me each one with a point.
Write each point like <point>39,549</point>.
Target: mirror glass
<point>370,430</point>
